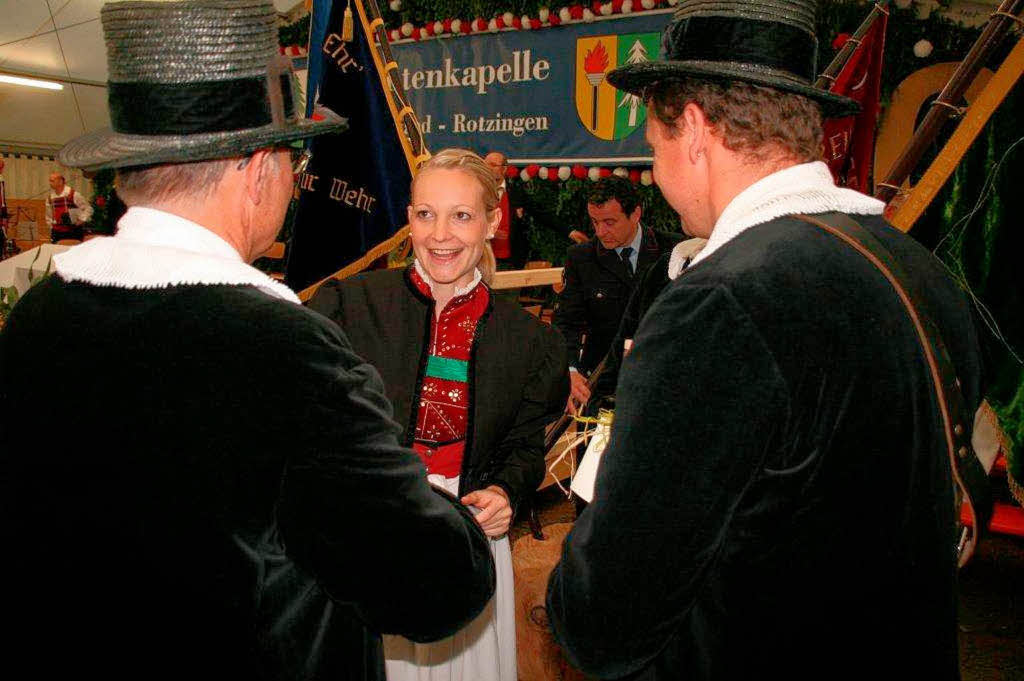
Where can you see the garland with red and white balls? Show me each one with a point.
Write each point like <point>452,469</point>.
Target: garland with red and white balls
<point>580,172</point>
<point>509,22</point>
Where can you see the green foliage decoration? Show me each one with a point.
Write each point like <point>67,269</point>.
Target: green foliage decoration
<point>107,207</point>
<point>971,226</point>
<point>294,34</point>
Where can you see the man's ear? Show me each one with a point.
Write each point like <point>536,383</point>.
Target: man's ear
<point>636,214</point>
<point>257,173</point>
<point>696,124</point>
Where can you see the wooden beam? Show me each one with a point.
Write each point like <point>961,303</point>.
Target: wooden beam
<point>521,278</point>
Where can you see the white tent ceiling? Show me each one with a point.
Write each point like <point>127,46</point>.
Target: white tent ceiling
<point>63,39</point>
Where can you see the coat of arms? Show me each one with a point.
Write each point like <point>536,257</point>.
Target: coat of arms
<point>604,111</point>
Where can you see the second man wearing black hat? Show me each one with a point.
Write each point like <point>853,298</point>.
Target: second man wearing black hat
<point>776,498</point>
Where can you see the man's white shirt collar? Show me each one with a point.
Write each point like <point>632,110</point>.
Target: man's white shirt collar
<point>635,243</point>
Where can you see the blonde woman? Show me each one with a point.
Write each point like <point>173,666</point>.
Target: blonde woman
<point>473,380</point>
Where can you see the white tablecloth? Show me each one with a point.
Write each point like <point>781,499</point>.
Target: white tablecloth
<point>16,271</point>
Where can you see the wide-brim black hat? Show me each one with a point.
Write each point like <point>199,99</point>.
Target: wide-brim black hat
<point>764,42</point>
<point>193,80</point>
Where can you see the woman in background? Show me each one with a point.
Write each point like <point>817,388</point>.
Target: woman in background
<point>473,379</point>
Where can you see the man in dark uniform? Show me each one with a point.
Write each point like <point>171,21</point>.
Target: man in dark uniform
<point>776,498</point>
<point>600,276</point>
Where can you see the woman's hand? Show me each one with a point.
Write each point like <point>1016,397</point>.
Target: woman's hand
<point>495,514</point>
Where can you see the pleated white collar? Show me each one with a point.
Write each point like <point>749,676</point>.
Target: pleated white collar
<point>154,249</point>
<point>805,188</point>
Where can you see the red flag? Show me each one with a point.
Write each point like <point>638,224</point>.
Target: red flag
<point>850,141</point>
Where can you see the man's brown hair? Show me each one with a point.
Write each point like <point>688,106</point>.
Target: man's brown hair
<point>759,122</point>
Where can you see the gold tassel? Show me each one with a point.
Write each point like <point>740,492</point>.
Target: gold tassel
<point>346,24</point>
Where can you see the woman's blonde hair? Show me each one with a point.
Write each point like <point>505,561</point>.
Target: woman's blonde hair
<point>472,164</point>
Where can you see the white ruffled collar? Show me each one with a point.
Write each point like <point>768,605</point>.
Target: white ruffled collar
<point>459,291</point>
<point>154,249</point>
<point>683,254</point>
<point>805,188</point>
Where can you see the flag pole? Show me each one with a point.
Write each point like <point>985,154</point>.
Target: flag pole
<point>828,76</point>
<point>406,122</point>
<point>982,108</point>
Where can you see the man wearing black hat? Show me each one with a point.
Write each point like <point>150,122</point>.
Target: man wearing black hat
<point>225,496</point>
<point>776,499</point>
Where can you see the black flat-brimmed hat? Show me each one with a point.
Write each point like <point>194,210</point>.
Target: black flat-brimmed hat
<point>193,80</point>
<point>764,42</point>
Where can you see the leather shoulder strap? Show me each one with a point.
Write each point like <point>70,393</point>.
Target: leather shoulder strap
<point>969,474</point>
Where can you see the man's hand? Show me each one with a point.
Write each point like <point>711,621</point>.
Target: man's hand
<point>579,392</point>
<point>495,514</point>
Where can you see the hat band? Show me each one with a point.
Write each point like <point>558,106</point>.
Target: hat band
<point>194,108</point>
<point>746,41</point>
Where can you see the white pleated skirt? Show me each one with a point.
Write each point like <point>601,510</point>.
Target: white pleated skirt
<point>483,650</point>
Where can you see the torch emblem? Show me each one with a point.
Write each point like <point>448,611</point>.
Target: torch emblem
<point>595,65</point>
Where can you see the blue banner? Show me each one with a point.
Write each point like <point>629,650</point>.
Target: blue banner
<point>354,193</point>
<point>538,96</point>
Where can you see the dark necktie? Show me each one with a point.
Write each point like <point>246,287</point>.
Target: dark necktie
<point>624,254</point>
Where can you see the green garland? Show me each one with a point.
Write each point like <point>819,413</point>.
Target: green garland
<point>107,207</point>
<point>567,201</point>
<point>294,34</point>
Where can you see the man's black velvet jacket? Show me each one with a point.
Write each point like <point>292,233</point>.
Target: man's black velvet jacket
<point>776,500</point>
<point>205,482</point>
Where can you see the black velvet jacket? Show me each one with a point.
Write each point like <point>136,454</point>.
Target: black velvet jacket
<point>644,294</point>
<point>518,374</point>
<point>221,494</point>
<point>776,499</point>
<point>597,288</point>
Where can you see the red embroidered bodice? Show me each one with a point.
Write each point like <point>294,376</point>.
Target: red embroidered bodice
<point>442,415</point>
